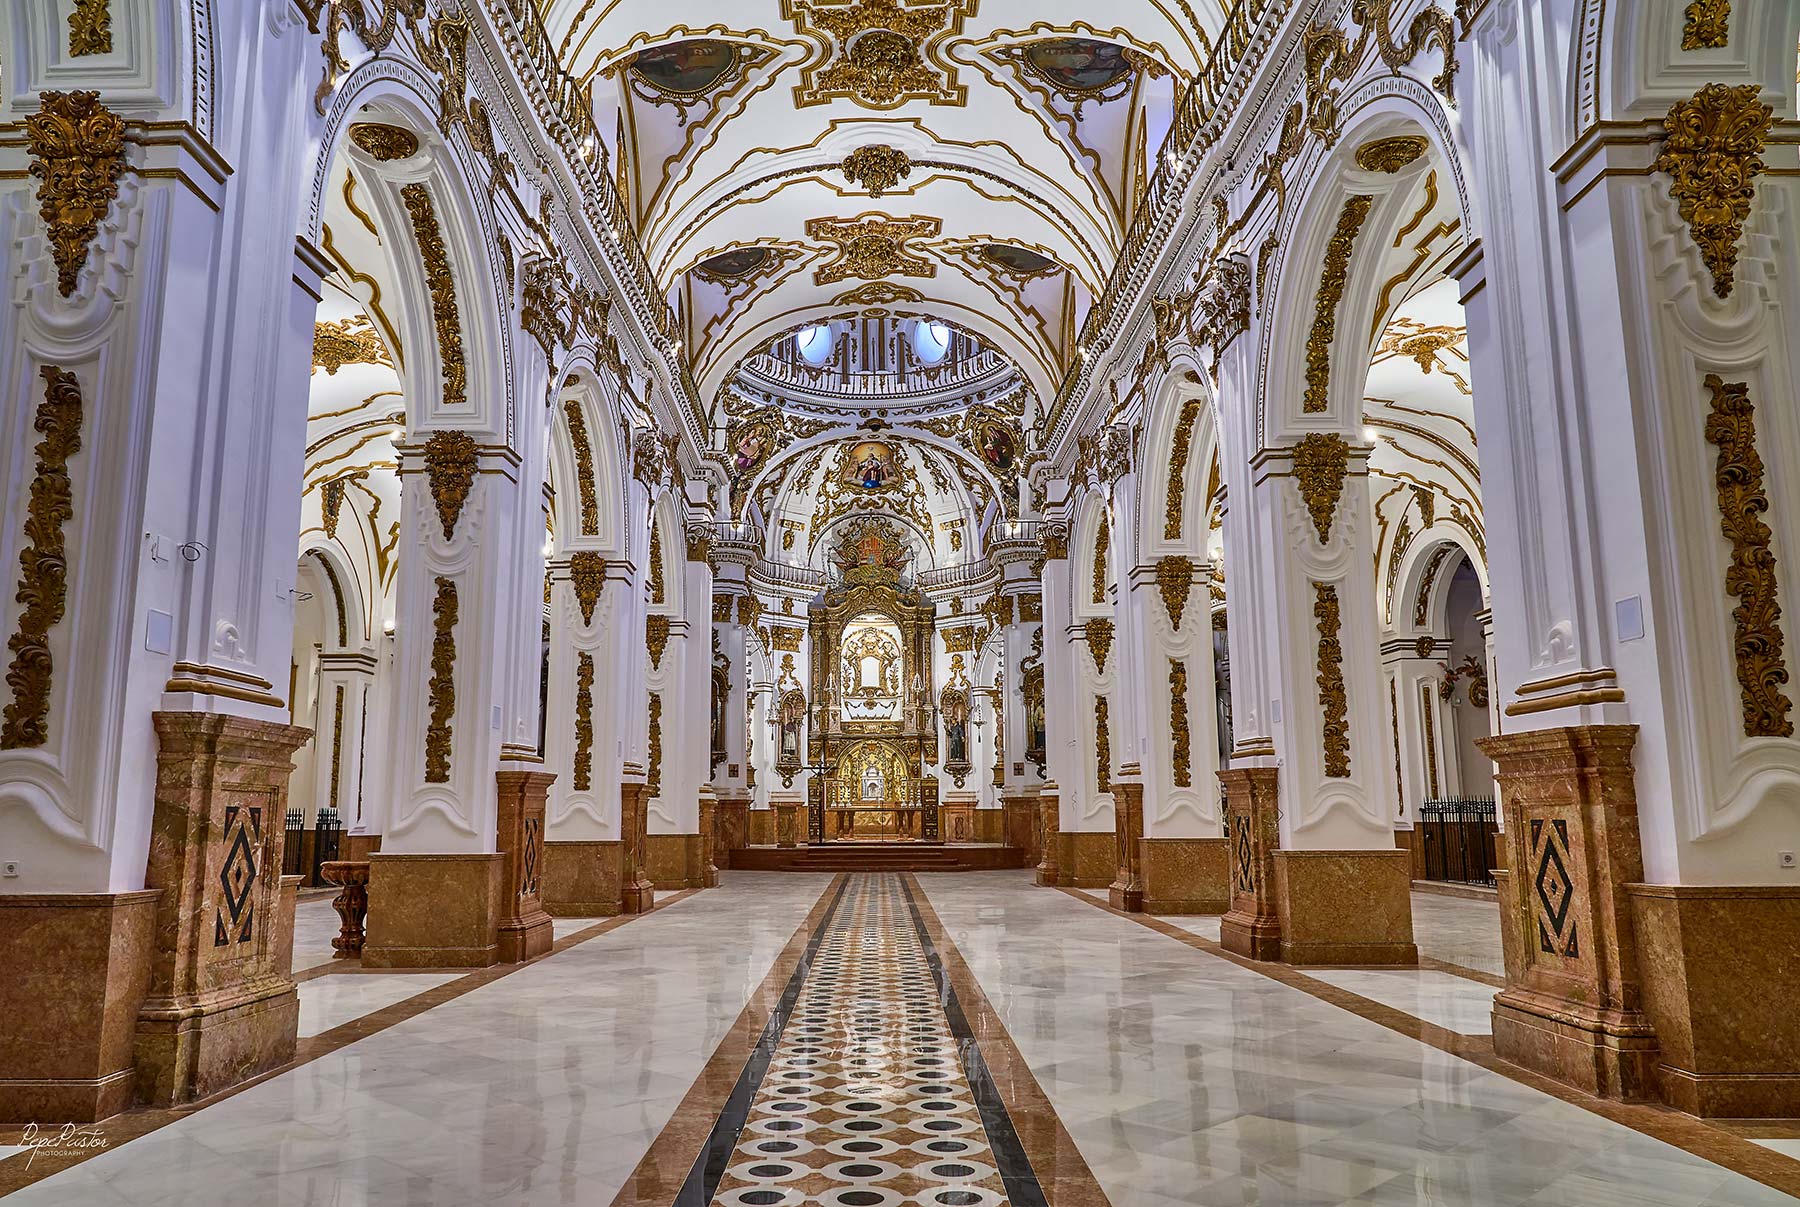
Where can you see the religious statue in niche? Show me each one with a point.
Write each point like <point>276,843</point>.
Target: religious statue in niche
<point>791,715</point>
<point>871,466</point>
<point>998,448</point>
<point>954,705</point>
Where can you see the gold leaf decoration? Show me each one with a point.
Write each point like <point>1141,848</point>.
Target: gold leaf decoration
<point>441,690</point>
<point>1178,461</point>
<point>77,148</point>
<point>876,58</point>
<point>384,142</point>
<point>331,505</point>
<point>1712,154</point>
<point>1175,579</point>
<point>1320,463</point>
<point>350,341</point>
<point>873,247</point>
<point>1056,542</point>
<point>587,574</point>
<point>1099,638</point>
<point>43,571</point>
<point>1738,476</point>
<point>1333,705</point>
<point>656,637</point>
<point>1389,155</point>
<point>584,721</point>
<point>90,28</point>
<point>584,467</point>
<point>658,587</point>
<point>450,461</point>
<point>1708,25</point>
<point>1102,744</point>
<point>1331,292</point>
<point>877,167</point>
<point>441,285</point>
<point>653,782</point>
<point>1102,545</point>
<point>1178,724</point>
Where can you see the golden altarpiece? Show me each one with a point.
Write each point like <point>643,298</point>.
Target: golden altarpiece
<point>874,725</point>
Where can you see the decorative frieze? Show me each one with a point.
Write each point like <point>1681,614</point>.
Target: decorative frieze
<point>1742,498</point>
<point>441,690</point>
<point>77,149</point>
<point>43,571</point>
<point>440,284</point>
<point>1712,154</point>
<point>1333,704</point>
<point>1320,462</point>
<point>1178,724</point>
<point>1338,249</point>
<point>450,463</point>
<point>584,721</point>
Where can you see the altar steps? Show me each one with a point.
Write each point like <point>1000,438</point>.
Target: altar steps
<point>876,857</point>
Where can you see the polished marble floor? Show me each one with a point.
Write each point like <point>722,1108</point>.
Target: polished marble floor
<point>928,1036</point>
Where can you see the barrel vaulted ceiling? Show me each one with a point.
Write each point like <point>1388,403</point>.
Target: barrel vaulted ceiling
<point>975,161</point>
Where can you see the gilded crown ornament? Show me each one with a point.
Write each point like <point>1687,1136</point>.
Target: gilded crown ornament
<point>77,148</point>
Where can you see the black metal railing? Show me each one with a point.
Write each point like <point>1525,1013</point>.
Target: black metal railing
<point>326,833</point>
<point>1457,839</point>
<point>293,853</point>
<point>304,847</point>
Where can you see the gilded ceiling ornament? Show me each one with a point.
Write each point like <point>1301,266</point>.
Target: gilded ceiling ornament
<point>450,461</point>
<point>77,148</point>
<point>873,247</point>
<point>1427,579</point>
<point>1333,705</point>
<point>1389,155</point>
<point>878,293</point>
<point>384,143</point>
<point>1738,477</point>
<point>350,341</point>
<point>43,571</point>
<point>656,637</point>
<point>1320,462</point>
<point>1424,345</point>
<point>331,505</point>
<point>1331,292</point>
<point>879,52</point>
<point>653,780</point>
<point>1178,461</point>
<point>877,167</point>
<point>1178,724</point>
<point>1099,634</point>
<point>584,466</point>
<point>90,28</point>
<point>584,721</point>
<point>1102,744</point>
<point>1712,154</point>
<point>441,285</point>
<point>1224,304</point>
<point>649,461</point>
<point>1429,24</point>
<point>1708,25</point>
<point>441,690</point>
<point>587,574</point>
<point>1175,579</point>
<point>543,289</point>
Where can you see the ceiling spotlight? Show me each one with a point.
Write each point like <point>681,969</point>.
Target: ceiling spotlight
<point>1370,434</point>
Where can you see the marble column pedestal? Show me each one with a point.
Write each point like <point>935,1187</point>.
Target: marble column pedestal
<point>675,861</point>
<point>637,891</point>
<point>1126,891</point>
<point>1186,875</point>
<point>787,823</point>
<point>433,910</point>
<point>581,879</point>
<point>525,929</point>
<point>1345,907</point>
<point>1021,825</point>
<point>1049,834</point>
<point>220,1007</point>
<point>1252,926</point>
<point>731,828</point>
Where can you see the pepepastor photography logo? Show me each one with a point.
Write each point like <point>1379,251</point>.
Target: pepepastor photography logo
<point>70,1139</point>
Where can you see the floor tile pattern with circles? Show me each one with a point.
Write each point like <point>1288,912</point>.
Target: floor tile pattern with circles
<point>865,1103</point>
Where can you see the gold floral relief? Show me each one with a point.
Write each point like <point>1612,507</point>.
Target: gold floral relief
<point>1331,292</point>
<point>450,462</point>
<point>656,637</point>
<point>658,584</point>
<point>434,256</point>
<point>1321,461</point>
<point>1708,25</point>
<point>350,341</point>
<point>1102,744</point>
<point>1099,635</point>
<point>1738,477</point>
<point>1178,462</point>
<point>1102,545</point>
<point>584,721</point>
<point>1175,579</point>
<point>877,167</point>
<point>653,782</point>
<point>90,28</point>
<point>584,466</point>
<point>43,570</point>
<point>1712,154</point>
<point>1333,705</point>
<point>384,143</point>
<point>881,54</point>
<point>441,690</point>
<point>1178,724</point>
<point>587,574</point>
<point>873,247</point>
<point>77,148</point>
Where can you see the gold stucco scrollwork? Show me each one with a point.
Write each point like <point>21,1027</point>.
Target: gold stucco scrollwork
<point>878,56</point>
<point>383,142</point>
<point>873,247</point>
<point>1738,476</point>
<point>1333,705</point>
<point>450,462</point>
<point>1389,155</point>
<point>43,573</point>
<point>441,285</point>
<point>1099,638</point>
<point>1320,462</point>
<point>653,780</point>
<point>1055,542</point>
<point>1708,25</point>
<point>877,167</point>
<point>1178,461</point>
<point>1102,545</point>
<point>1712,154</point>
<point>656,638</point>
<point>587,574</point>
<point>658,584</point>
<point>441,690</point>
<point>77,148</point>
<point>584,467</point>
<point>1175,579</point>
<point>90,28</point>
<point>584,721</point>
<point>1178,724</point>
<point>1331,292</point>
<point>1102,744</point>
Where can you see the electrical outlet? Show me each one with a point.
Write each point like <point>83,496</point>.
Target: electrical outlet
<point>1787,860</point>
<point>9,869</point>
